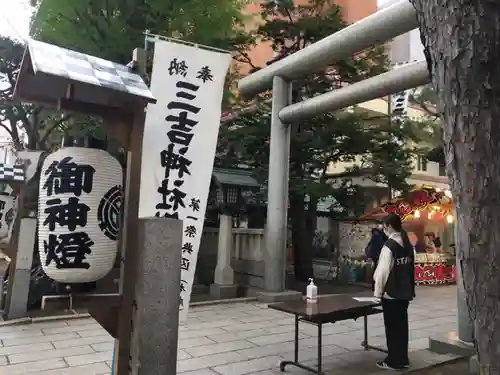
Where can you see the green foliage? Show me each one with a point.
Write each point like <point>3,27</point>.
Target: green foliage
<point>321,141</point>
<point>111,29</point>
<point>22,120</point>
<point>429,130</point>
<point>325,139</point>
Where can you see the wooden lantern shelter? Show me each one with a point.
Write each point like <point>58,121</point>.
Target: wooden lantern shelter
<point>70,81</point>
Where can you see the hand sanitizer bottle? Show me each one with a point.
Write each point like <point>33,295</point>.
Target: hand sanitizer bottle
<point>312,292</point>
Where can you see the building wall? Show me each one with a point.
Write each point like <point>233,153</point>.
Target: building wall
<point>353,10</point>
<point>423,173</point>
<point>406,47</point>
<point>402,49</point>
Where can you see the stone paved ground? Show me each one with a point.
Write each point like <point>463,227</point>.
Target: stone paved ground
<point>459,368</point>
<point>233,339</point>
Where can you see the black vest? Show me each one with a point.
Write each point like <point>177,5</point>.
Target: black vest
<point>401,282</point>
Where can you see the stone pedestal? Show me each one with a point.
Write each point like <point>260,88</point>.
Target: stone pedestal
<point>223,291</point>
<point>156,320</point>
<point>223,286</point>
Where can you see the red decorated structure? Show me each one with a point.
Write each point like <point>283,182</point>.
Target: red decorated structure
<point>428,218</point>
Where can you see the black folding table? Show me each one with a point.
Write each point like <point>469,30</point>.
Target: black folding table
<point>328,309</point>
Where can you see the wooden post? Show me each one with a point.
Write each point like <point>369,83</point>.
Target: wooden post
<point>129,249</point>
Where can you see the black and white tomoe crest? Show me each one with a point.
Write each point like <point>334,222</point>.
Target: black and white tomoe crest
<point>109,212</point>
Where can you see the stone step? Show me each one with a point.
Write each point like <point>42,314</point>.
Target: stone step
<point>448,343</point>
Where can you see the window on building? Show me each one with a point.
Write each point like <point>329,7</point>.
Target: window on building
<point>442,169</point>
<point>421,163</point>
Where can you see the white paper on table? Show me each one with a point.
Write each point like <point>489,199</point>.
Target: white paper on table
<point>367,299</point>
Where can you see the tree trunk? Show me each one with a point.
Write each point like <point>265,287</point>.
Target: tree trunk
<point>464,53</point>
<point>301,239</point>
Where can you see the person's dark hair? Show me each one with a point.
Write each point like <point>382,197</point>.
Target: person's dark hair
<point>394,221</point>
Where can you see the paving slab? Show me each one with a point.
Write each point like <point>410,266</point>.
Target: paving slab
<point>229,339</point>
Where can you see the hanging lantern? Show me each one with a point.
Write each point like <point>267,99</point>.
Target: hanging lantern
<point>417,214</point>
<point>79,211</point>
<point>449,219</point>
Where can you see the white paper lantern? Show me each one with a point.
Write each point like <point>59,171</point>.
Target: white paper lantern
<point>79,207</point>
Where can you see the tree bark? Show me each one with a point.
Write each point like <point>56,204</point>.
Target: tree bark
<point>463,54</point>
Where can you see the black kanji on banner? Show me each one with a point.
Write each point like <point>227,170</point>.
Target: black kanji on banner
<point>173,161</point>
<point>178,67</point>
<point>205,74</point>
<point>183,118</point>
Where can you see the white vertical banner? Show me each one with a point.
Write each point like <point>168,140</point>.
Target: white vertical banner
<point>180,139</point>
<point>399,100</point>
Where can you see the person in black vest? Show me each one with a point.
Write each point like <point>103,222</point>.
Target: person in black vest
<point>395,285</point>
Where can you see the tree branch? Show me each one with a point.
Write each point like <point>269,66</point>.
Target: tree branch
<point>246,60</point>
<point>424,106</point>
<point>54,127</point>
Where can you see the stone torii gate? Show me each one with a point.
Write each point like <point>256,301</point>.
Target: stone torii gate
<point>377,28</point>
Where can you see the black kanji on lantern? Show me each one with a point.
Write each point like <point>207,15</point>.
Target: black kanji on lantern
<point>178,67</point>
<point>195,204</point>
<point>187,248</point>
<point>185,263</point>
<point>190,231</point>
<point>183,285</point>
<point>68,250</point>
<point>71,214</point>
<point>170,160</point>
<point>66,176</point>
<point>205,74</point>
<point>109,212</point>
